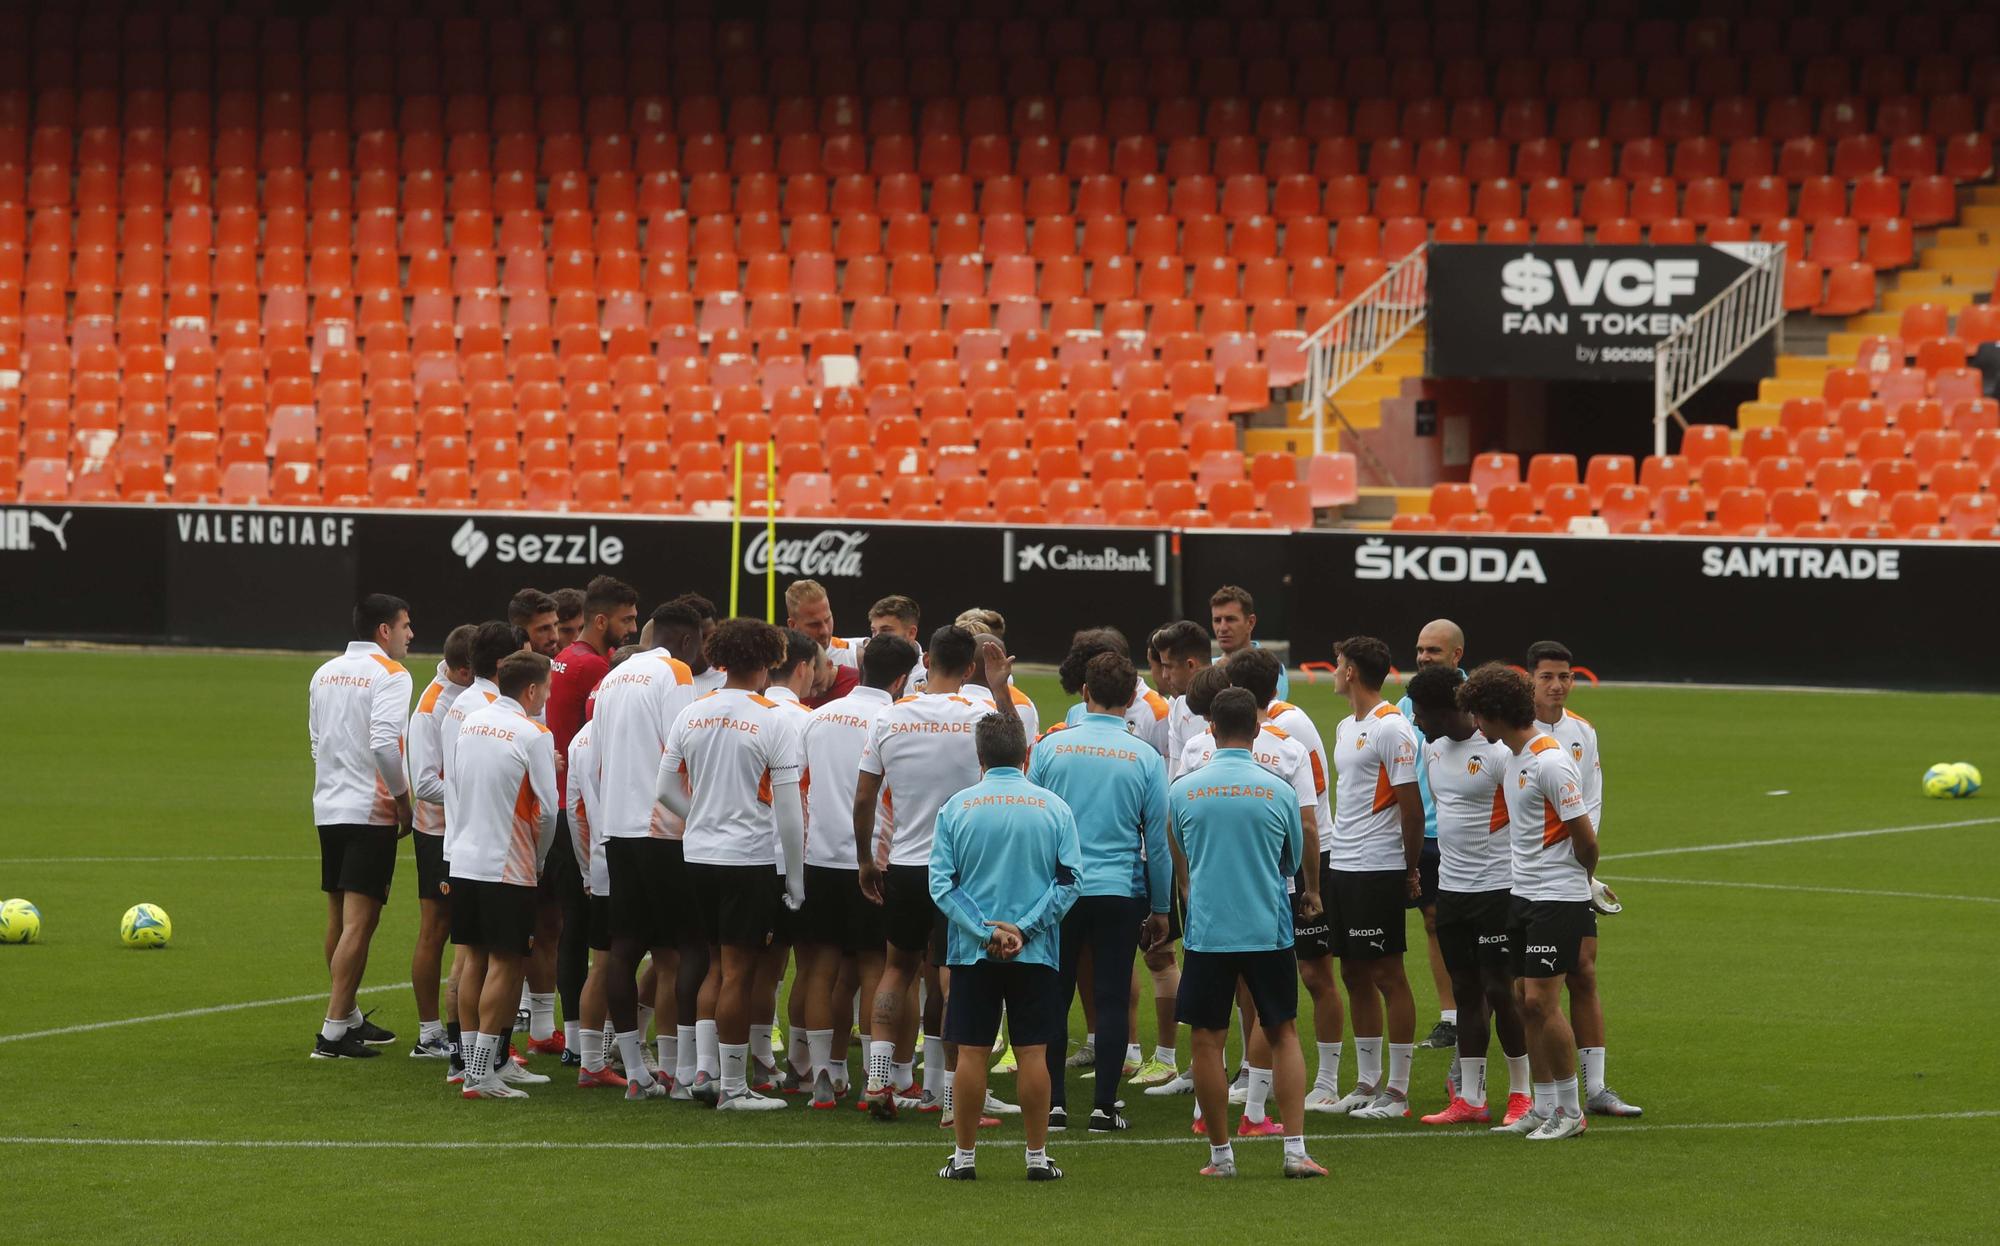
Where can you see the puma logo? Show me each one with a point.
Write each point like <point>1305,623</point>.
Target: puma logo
<point>55,529</point>
<point>1546,961</point>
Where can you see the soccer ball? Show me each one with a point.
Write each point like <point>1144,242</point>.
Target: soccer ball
<point>1946,781</point>
<point>1971,773</point>
<point>20,922</point>
<point>145,925</point>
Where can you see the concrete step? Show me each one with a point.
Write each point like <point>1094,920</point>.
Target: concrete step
<point>1989,193</point>
<point>1870,323</point>
<point>1899,300</point>
<point>1980,216</point>
<point>1957,257</point>
<point>1773,390</point>
<point>1757,414</point>
<point>1803,367</point>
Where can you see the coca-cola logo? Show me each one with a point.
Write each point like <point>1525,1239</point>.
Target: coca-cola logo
<point>833,552</point>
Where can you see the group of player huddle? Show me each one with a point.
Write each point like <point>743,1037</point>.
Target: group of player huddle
<point>654,822</point>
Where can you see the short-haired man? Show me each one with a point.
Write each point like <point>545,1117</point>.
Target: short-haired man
<point>534,613</point>
<point>790,682</point>
<point>1550,916</point>
<point>609,613</point>
<point>1550,667</point>
<point>454,675</point>
<point>1232,613</point>
<point>997,662</point>
<point>1240,834</point>
<point>1475,874</point>
<point>1373,869</point>
<point>569,615</point>
<point>1146,717</point>
<point>837,922</point>
<point>921,749</point>
<point>503,785</point>
<point>808,610</point>
<point>1182,648</point>
<point>1440,643</point>
<point>1004,868</point>
<point>645,870</point>
<point>357,707</point>
<point>731,771</point>
<point>1118,794</point>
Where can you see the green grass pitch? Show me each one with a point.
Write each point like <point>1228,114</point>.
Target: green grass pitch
<point>1808,1024</point>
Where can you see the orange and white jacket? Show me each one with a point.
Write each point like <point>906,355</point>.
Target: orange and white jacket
<point>502,792</point>
<point>481,693</point>
<point>356,709</point>
<point>425,760</point>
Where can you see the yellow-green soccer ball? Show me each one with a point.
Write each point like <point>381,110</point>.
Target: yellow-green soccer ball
<point>1945,781</point>
<point>1971,773</point>
<point>20,922</point>
<point>145,925</point>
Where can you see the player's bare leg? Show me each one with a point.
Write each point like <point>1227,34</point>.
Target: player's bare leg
<point>1586,1018</point>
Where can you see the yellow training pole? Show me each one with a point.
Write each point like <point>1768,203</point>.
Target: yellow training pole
<point>736,534</point>
<point>770,533</point>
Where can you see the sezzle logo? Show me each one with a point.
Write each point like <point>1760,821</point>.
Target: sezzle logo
<point>1045,557</point>
<point>832,552</point>
<point>1376,559</point>
<point>18,528</point>
<point>556,549</point>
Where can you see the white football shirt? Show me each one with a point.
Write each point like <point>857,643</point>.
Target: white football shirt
<point>1372,756</point>
<point>1473,854</point>
<point>834,738</point>
<point>922,747</point>
<point>1297,724</point>
<point>733,747</point>
<point>356,709</point>
<point>503,786</point>
<point>637,704</point>
<point>1579,740</point>
<point>425,763</point>
<point>1544,791</point>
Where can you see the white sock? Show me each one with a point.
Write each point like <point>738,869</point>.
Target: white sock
<point>945,1079</point>
<point>669,1048</point>
<point>428,1030</point>
<point>684,1054</point>
<point>496,1053</point>
<point>1472,1080</point>
<point>1517,1075</point>
<point>1399,1067</point>
<point>734,1057</point>
<point>541,1016</point>
<point>1591,1061</point>
<point>478,1059</point>
<point>1090,1039</point>
<point>819,1051</point>
<point>1295,1146</point>
<point>1448,1015</point>
<point>960,1157</point>
<point>903,1073</point>
<point>354,1016</point>
<point>631,1049</point>
<point>760,1045</point>
<point>800,1050</point>
<point>590,1045</point>
<point>881,1062</point>
<point>707,1059</point>
<point>1545,1098</point>
<point>933,1061</point>
<point>1224,1154</point>
<point>333,1030</point>
<point>1260,1092</point>
<point>1131,1053</point>
<point>1368,1062</point>
<point>1566,1096</point>
<point>1166,1056</point>
<point>1038,1157</point>
<point>571,1033</point>
<point>1328,1078</point>
<point>645,1020</point>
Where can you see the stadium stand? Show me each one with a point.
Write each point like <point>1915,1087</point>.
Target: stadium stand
<point>1042,267</point>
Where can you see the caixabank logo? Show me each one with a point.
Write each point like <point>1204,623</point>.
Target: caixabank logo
<point>1024,554</point>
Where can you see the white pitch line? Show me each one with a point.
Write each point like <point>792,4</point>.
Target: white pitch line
<point>1831,891</point>
<point>1797,839</point>
<point>799,1144</point>
<point>209,1011</point>
<point>121,861</point>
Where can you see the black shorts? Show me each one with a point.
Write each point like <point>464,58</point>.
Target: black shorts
<point>561,880</point>
<point>1208,987</point>
<point>837,914</point>
<point>1545,936</point>
<point>361,859</point>
<point>1364,911</point>
<point>737,903</point>
<point>1310,939</point>
<point>1472,931</point>
<point>1427,873</point>
<point>432,872</point>
<point>1031,995</point>
<point>499,917</point>
<point>910,920</point>
<point>597,921</point>
<point>650,900</point>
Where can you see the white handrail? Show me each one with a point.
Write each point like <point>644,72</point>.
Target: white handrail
<point>1359,333</point>
<point>1731,323</point>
